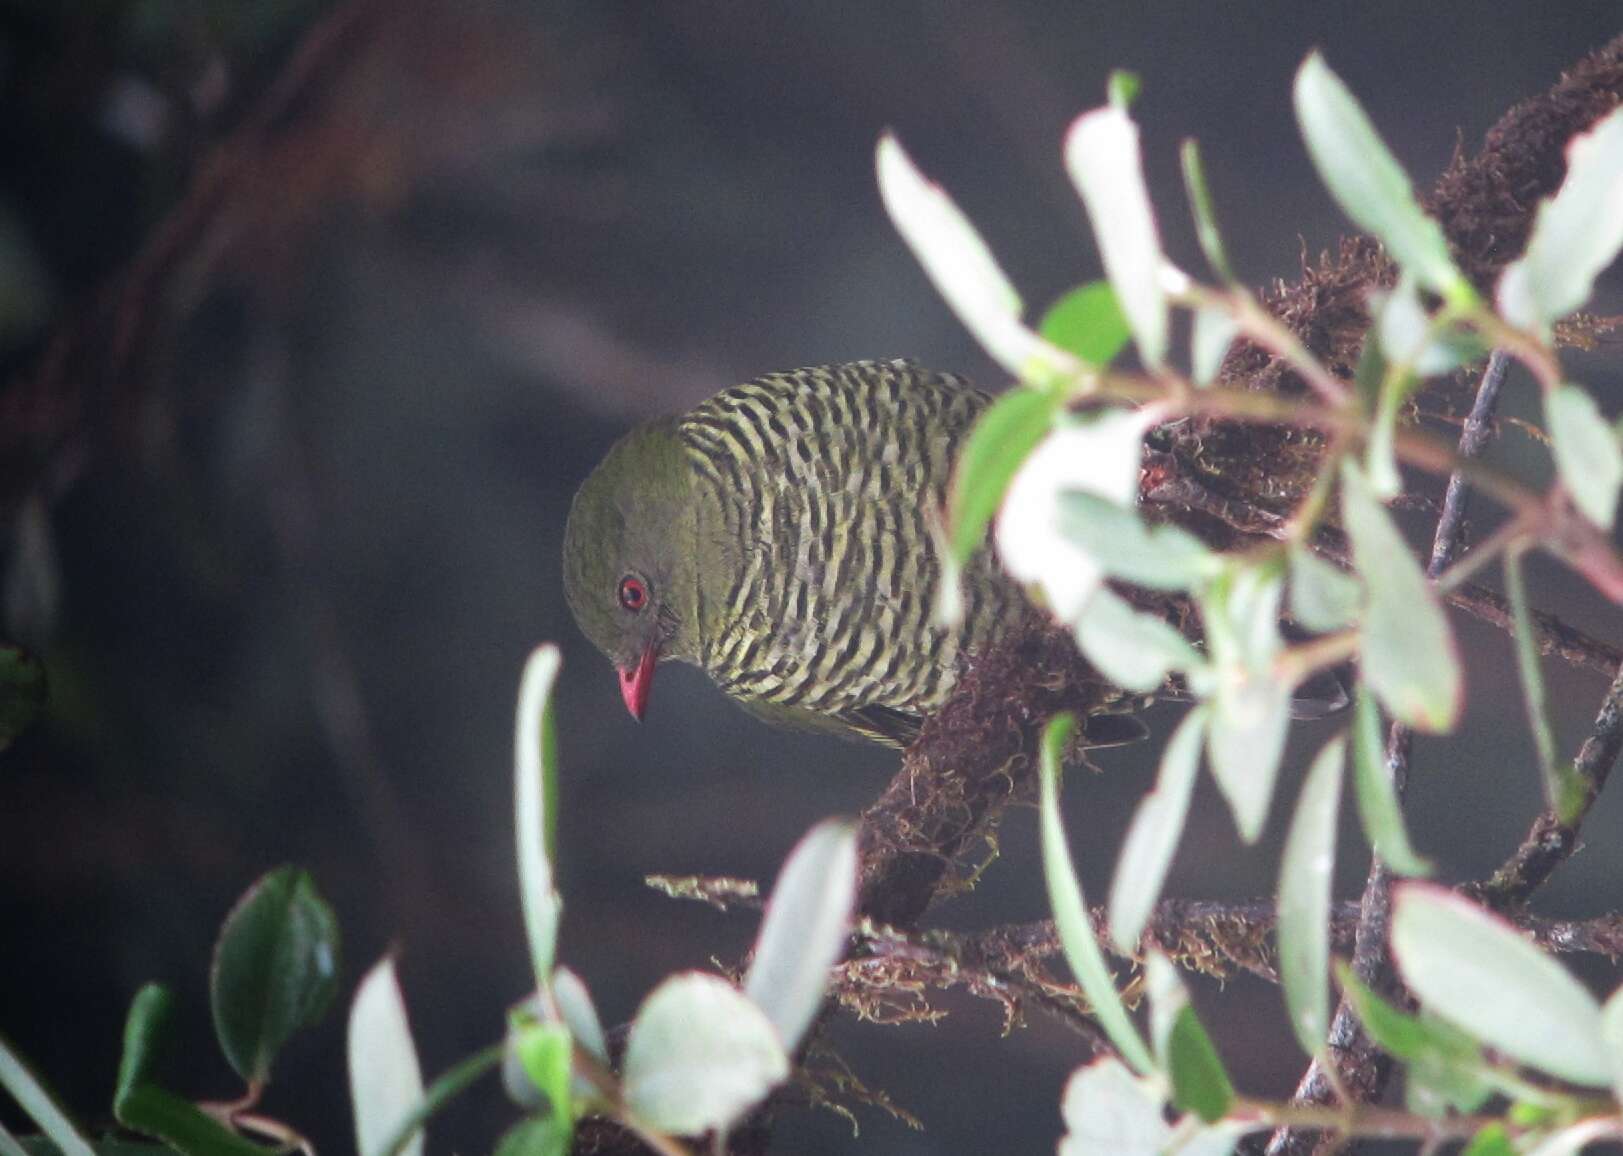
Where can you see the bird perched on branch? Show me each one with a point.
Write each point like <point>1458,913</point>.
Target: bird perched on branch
<point>778,537</point>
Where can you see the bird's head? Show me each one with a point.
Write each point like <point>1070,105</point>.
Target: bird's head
<point>627,574</point>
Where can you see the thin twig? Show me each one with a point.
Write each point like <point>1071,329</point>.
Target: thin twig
<point>1363,1069</point>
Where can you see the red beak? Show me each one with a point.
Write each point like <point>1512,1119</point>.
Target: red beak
<point>635,681</point>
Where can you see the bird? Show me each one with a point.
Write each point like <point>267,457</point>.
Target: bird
<point>782,536</point>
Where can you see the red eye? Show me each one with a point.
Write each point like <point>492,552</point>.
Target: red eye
<point>633,594</point>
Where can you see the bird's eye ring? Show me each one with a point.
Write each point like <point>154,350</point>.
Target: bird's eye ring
<point>633,594</point>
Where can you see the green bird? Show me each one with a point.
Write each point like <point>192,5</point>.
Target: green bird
<point>778,536</point>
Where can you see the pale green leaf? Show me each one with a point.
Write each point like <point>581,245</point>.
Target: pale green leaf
<point>1378,805</point>
<point>1152,840</point>
<point>1323,597</point>
<point>1070,908</point>
<point>1108,1109</point>
<point>1102,157</point>
<point>40,1105</point>
<point>1611,1028</point>
<point>1406,644</point>
<point>1209,340</point>
<point>1200,205</point>
<point>1482,975</point>
<point>963,268</point>
<point>1200,1084</point>
<point>1160,557</point>
<point>700,1056</point>
<point>535,806</point>
<point>803,934</point>
<point>1132,649</point>
<point>1576,233</point>
<point>1305,873</point>
<point>1367,181</point>
<point>385,1080</point>
<point>579,1013</point>
<point>1587,455</point>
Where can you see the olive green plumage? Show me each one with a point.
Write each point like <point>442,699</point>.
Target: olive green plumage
<point>780,537</point>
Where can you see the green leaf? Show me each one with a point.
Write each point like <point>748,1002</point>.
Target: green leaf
<point>1250,703</point>
<point>535,807</point>
<point>181,1124</point>
<point>1107,1109</point>
<point>1102,157</point>
<point>536,1136</point>
<point>275,969</point>
<point>1576,233</point>
<point>1482,975</point>
<point>701,1054</point>
<point>1445,1070</point>
<point>10,1147</point>
<point>1200,205</point>
<point>1574,1138</point>
<point>1122,88</point>
<point>1587,455</point>
<point>1305,873</point>
<point>1146,853</point>
<point>1367,181</point>
<point>1406,645</point>
<point>22,691</point>
<point>1490,1140</point>
<point>1071,920</point>
<point>963,269</point>
<point>1413,339</point>
<point>804,932</point>
<point>1611,1030</point>
<point>1214,331</point>
<point>1161,557</point>
<point>385,1079</point>
<point>1378,805</point>
<point>1323,596</point>
<point>1557,793</point>
<point>1132,649</point>
<point>1087,323</point>
<point>578,1012</point>
<point>547,1052</point>
<point>146,1031</point>
<point>40,1105</point>
<point>1200,1084</point>
<point>1002,438</point>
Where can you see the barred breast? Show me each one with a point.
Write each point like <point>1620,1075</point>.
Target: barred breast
<point>826,478</point>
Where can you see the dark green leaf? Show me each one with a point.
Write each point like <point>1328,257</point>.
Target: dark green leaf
<point>1367,181</point>
<point>145,1035</point>
<point>1002,438</point>
<point>1199,1082</point>
<point>536,1136</point>
<point>42,1107</point>
<point>1406,644</point>
<point>1305,872</point>
<point>1200,204</point>
<point>1089,323</point>
<point>1377,800</point>
<point>275,969</point>
<point>1071,919</point>
<point>22,691</point>
<point>181,1124</point>
<point>1162,557</point>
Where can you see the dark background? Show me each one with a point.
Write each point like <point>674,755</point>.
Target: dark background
<point>288,577</point>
